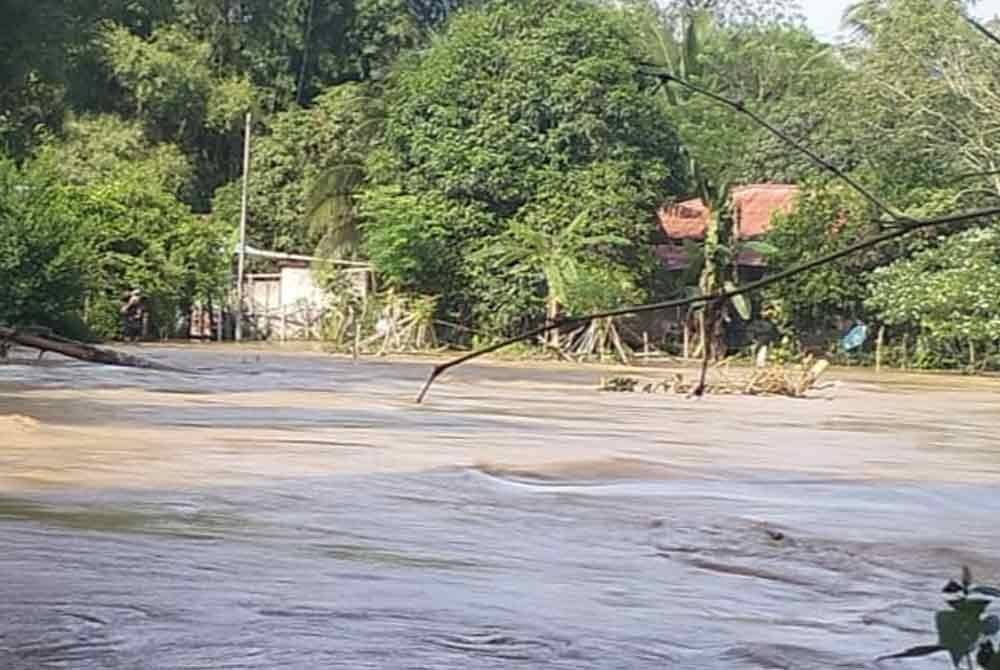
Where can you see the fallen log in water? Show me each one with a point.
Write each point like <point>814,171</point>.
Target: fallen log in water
<point>81,351</point>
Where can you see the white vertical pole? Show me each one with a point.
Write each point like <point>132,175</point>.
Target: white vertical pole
<point>243,232</point>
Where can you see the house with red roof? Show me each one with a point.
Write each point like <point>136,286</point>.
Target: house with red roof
<point>753,205</point>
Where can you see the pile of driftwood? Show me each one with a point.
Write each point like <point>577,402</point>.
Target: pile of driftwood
<point>768,380</point>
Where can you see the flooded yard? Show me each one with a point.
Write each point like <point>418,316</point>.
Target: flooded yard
<point>300,511</point>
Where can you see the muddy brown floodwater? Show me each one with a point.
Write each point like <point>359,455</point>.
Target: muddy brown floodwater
<point>299,511</point>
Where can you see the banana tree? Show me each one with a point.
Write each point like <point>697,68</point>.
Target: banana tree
<point>716,258</point>
<point>676,53</point>
<point>555,257</point>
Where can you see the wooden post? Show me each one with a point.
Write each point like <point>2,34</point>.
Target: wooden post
<point>878,349</point>
<point>357,336</point>
<point>645,343</point>
<point>687,340</point>
<point>251,300</point>
<point>243,232</point>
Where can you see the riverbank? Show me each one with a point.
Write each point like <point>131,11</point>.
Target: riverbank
<point>641,365</point>
<point>651,365</point>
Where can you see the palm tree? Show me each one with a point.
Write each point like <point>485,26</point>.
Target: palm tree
<point>862,14</point>
<point>330,214</point>
<point>330,209</point>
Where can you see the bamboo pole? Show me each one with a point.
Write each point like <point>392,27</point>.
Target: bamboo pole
<point>357,337</point>
<point>243,232</point>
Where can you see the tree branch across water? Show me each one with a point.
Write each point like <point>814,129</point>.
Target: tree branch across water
<point>906,228</point>
<point>666,78</point>
<point>81,351</point>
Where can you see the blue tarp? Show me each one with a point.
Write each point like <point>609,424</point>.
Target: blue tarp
<point>855,337</point>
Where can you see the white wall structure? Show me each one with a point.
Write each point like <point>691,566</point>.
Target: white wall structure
<point>289,305</point>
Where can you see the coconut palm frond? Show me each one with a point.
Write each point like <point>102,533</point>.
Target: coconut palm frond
<point>329,212</point>
<point>330,200</point>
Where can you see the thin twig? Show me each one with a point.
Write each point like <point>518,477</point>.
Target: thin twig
<point>905,229</point>
<point>970,175</point>
<point>986,32</point>
<point>781,135</point>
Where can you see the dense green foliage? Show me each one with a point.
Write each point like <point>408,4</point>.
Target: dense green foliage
<point>298,171</point>
<point>127,120</point>
<point>74,249</point>
<point>142,237</point>
<point>827,217</point>
<point>948,295</point>
<point>920,112</point>
<point>44,255</point>
<point>502,159</point>
<point>477,146</point>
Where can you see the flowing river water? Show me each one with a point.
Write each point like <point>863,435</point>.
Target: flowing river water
<point>300,511</point>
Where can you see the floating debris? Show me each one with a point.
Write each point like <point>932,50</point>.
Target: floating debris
<point>620,384</point>
<point>772,380</point>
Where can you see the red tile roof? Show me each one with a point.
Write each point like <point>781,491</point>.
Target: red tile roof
<point>755,204</point>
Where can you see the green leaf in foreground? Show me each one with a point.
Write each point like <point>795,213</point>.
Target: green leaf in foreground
<point>958,632</point>
<point>740,302</point>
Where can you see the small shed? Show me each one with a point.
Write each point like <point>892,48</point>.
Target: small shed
<point>289,304</point>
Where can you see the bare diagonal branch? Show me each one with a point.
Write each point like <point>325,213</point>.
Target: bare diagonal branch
<point>906,226</point>
<point>909,227</point>
<point>986,32</point>
<point>738,106</point>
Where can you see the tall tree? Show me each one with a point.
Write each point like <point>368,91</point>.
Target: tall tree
<point>172,89</point>
<point>771,63</point>
<point>924,99</point>
<point>521,113</point>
